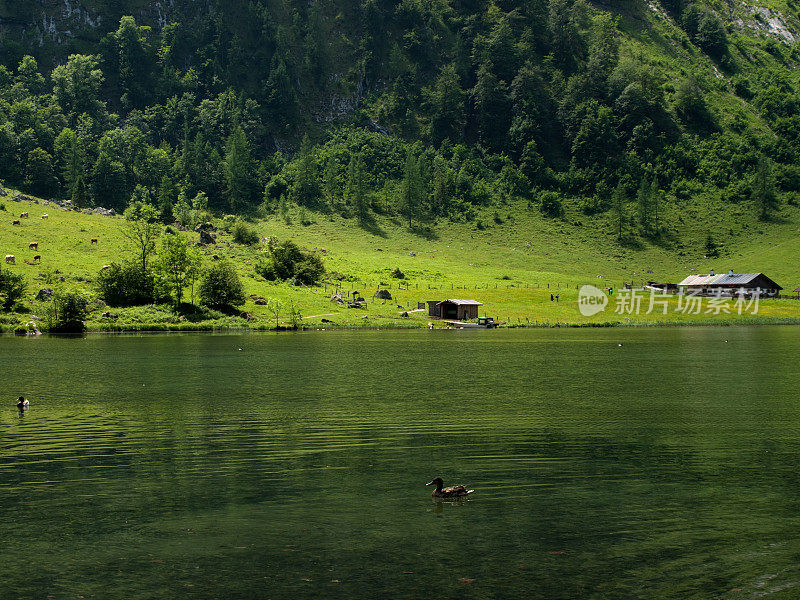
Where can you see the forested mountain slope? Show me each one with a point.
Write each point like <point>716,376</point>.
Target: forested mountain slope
<point>632,113</point>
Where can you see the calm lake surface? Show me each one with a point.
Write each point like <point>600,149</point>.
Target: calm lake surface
<point>179,466</point>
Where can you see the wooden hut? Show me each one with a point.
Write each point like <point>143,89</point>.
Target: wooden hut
<point>433,308</point>
<point>461,310</point>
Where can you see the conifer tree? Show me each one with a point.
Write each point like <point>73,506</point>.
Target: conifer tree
<point>239,171</point>
<point>356,188</point>
<point>79,196</point>
<point>619,199</point>
<point>410,190</point>
<point>165,194</point>
<point>763,189</point>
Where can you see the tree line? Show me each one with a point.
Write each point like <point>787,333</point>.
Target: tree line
<point>452,108</point>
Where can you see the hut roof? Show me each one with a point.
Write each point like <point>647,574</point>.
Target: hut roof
<point>462,302</point>
<point>725,279</point>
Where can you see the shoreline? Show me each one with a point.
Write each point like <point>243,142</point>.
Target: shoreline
<point>156,329</point>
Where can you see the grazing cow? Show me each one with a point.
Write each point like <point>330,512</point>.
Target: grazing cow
<point>37,258</point>
<point>23,215</point>
<point>94,240</point>
<point>45,215</point>
<point>10,259</point>
<point>16,222</point>
<point>33,246</point>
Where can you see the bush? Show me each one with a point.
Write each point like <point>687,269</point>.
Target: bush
<point>66,313</point>
<point>309,271</point>
<point>288,262</point>
<point>190,213</point>
<point>125,285</point>
<point>242,234</point>
<point>551,205</point>
<point>267,270</point>
<point>221,287</point>
<point>276,188</point>
<point>227,222</point>
<point>12,288</point>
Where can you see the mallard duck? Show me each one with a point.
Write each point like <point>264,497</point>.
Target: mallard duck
<point>22,403</point>
<point>455,491</point>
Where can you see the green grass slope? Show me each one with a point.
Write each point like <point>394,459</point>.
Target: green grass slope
<point>511,267</point>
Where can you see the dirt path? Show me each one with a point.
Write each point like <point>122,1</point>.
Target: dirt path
<point>325,315</point>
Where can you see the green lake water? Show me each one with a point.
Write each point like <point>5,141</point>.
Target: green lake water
<point>293,465</point>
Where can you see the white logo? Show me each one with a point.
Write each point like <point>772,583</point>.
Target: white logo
<point>591,300</point>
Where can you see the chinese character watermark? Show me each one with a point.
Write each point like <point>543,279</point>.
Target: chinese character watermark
<point>592,300</point>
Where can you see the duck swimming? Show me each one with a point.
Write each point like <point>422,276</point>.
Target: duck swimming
<point>455,491</point>
<point>22,403</point>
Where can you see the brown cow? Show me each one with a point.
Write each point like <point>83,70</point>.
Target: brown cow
<point>94,240</point>
<point>33,246</point>
<point>37,258</point>
<point>15,222</point>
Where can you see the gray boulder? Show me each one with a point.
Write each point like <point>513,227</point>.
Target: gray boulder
<point>44,294</point>
<point>206,237</point>
<point>383,295</point>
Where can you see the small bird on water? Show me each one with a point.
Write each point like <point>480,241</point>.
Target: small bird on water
<point>455,491</point>
<point>22,403</point>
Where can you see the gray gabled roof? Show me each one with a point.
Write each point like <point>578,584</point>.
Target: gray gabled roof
<point>462,302</point>
<point>725,280</point>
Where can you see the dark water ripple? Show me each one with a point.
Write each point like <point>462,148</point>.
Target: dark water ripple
<point>179,466</point>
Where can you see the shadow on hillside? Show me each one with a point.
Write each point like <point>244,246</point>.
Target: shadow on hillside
<point>664,239</point>
<point>424,231</point>
<point>631,242</point>
<point>370,225</point>
<point>775,219</point>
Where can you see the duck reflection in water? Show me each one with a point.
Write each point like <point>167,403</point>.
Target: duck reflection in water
<point>440,503</point>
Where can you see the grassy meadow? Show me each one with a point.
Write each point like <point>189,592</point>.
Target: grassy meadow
<point>512,266</point>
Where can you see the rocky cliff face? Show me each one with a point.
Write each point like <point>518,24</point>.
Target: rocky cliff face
<point>54,28</point>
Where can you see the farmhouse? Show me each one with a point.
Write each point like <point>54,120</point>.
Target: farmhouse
<point>730,284</point>
<point>454,309</point>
